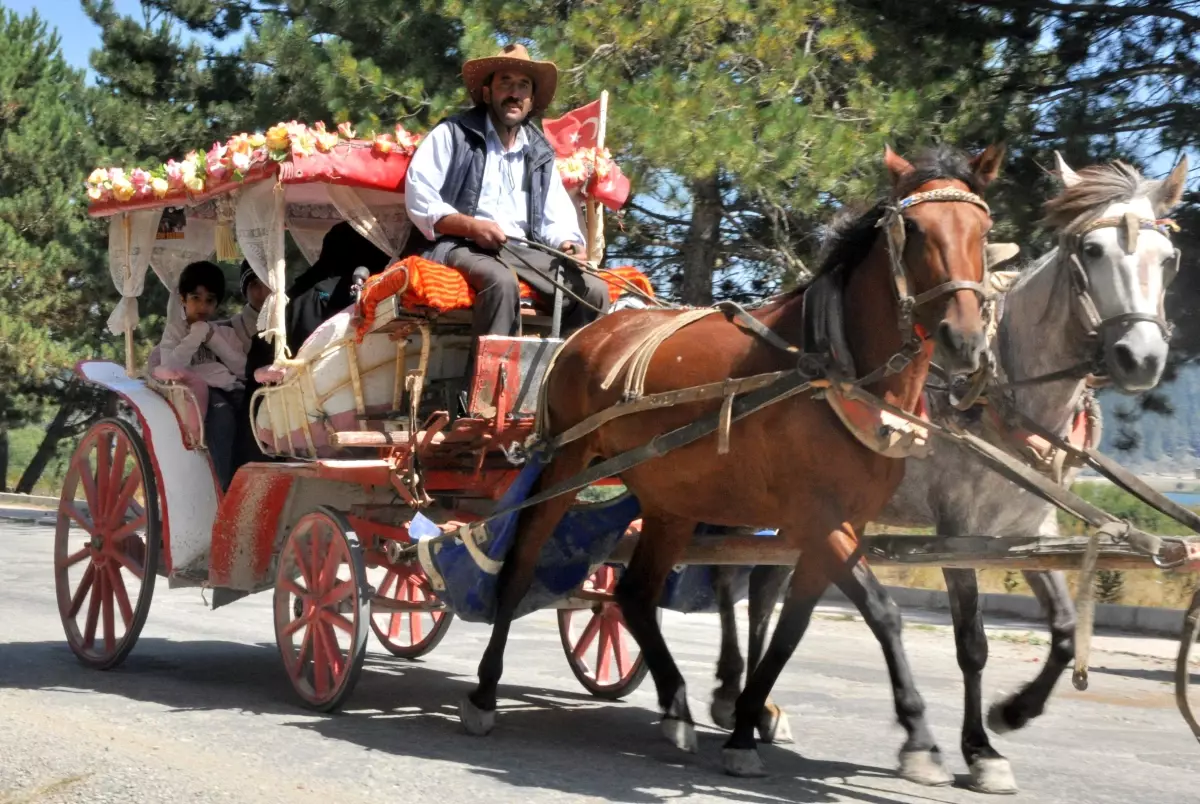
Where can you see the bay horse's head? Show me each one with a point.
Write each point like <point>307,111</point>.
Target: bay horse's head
<point>1114,242</point>
<point>937,226</point>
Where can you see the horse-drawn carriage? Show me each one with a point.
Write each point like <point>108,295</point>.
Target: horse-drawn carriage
<point>404,452</point>
<point>383,425</point>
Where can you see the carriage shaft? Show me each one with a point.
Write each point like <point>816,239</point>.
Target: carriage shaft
<point>911,550</point>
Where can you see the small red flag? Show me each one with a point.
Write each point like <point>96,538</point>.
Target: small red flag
<point>613,191</point>
<point>574,130</point>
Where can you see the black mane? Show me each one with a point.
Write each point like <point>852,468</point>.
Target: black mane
<point>852,231</point>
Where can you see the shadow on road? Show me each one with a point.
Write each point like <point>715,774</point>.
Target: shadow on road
<point>1165,675</point>
<point>545,739</point>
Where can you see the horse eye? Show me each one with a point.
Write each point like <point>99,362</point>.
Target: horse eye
<point>1093,251</point>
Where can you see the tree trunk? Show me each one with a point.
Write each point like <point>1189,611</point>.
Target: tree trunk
<point>3,460</point>
<point>703,239</point>
<point>46,450</point>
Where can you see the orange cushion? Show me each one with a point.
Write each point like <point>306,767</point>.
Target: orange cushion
<point>423,283</point>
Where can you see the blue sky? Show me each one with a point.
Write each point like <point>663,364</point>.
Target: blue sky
<point>80,36</point>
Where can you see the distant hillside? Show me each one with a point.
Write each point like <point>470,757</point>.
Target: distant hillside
<point>1166,443</point>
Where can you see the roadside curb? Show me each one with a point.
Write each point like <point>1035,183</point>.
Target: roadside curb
<point>29,501</point>
<point>1143,620</point>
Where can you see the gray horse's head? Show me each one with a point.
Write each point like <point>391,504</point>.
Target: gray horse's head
<point>1116,244</point>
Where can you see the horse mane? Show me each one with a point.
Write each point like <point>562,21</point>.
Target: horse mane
<point>1099,186</point>
<point>851,233</point>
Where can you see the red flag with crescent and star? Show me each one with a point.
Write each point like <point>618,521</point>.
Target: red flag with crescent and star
<point>580,128</point>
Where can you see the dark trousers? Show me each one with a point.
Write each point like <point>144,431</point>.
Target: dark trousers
<point>498,298</point>
<point>221,432</point>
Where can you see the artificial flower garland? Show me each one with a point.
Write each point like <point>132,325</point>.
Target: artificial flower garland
<point>241,153</point>
<point>234,159</point>
<point>578,169</point>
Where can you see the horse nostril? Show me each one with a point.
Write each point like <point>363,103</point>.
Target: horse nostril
<point>1126,360</point>
<point>949,336</point>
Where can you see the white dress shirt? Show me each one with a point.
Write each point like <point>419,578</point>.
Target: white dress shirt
<point>502,198</point>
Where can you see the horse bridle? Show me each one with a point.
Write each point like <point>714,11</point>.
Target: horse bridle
<point>1093,323</point>
<point>893,225</point>
<point>1089,313</point>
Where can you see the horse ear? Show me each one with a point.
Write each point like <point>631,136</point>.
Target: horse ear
<point>1169,192</point>
<point>897,165</point>
<point>986,166</point>
<point>1069,177</point>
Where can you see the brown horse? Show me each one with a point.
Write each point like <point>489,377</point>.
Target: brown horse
<point>791,465</point>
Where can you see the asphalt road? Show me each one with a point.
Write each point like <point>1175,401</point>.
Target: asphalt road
<point>202,712</point>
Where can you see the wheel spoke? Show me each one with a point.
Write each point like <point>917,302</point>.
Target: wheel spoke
<point>329,567</point>
<point>588,635</point>
<point>339,620</point>
<point>395,626</point>
<point>416,627</point>
<point>84,467</point>
<point>319,661</point>
<point>103,470</point>
<point>93,615</point>
<point>621,647</point>
<point>132,526</point>
<point>306,648</point>
<point>604,652</point>
<point>294,626</point>
<point>333,651</point>
<point>388,580</point>
<point>120,505</point>
<point>117,471</point>
<point>291,587</point>
<point>106,607</point>
<point>118,586</point>
<point>314,545</point>
<point>339,593</point>
<point>74,558</point>
<point>126,561</point>
<point>85,584</point>
<point>71,511</point>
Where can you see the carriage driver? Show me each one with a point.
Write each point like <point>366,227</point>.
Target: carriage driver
<point>488,174</point>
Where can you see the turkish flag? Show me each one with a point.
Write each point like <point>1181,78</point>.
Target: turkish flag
<point>574,130</point>
<point>613,191</point>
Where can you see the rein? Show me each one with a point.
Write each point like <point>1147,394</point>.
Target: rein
<point>760,390</point>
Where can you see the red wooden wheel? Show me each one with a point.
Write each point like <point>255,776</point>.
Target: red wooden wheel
<point>408,634</point>
<point>322,608</point>
<point>617,668</point>
<point>106,557</point>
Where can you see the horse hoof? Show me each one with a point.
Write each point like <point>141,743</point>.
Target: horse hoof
<point>993,775</point>
<point>476,721</point>
<point>723,713</point>
<point>744,762</point>
<point>680,734</point>
<point>996,720</point>
<point>773,726</point>
<point>924,767</point>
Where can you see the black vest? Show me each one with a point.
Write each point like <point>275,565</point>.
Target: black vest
<point>464,179</point>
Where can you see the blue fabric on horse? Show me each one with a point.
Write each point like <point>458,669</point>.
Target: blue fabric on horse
<point>581,542</point>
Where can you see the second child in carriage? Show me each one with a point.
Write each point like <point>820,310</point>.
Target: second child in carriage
<point>212,352</point>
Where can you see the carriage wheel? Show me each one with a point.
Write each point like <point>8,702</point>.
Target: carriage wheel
<point>109,568</point>
<point>408,634</point>
<point>619,667</point>
<point>322,606</point>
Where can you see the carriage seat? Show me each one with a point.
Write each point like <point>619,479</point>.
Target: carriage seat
<point>426,285</point>
<point>186,392</point>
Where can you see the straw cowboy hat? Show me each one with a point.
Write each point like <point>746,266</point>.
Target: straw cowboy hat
<point>513,57</point>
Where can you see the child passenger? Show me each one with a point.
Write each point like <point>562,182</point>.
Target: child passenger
<point>213,353</point>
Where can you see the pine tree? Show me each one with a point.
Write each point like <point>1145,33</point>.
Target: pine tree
<point>52,275</point>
